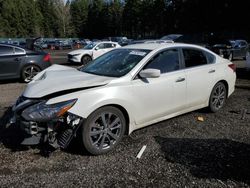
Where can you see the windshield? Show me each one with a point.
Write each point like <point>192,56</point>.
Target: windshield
<point>89,46</point>
<point>115,63</point>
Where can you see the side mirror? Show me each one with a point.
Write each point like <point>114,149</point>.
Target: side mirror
<point>150,73</point>
<point>97,48</point>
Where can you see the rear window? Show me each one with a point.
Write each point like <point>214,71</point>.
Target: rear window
<point>194,57</point>
<point>19,51</point>
<point>6,50</point>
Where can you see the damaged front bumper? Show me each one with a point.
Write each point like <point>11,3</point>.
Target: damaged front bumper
<point>57,130</point>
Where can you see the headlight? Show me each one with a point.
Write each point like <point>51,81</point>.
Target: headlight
<point>75,54</point>
<point>43,112</point>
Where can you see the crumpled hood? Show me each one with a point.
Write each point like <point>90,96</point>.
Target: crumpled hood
<point>59,78</point>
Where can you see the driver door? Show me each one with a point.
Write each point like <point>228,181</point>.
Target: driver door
<point>99,50</point>
<point>162,96</point>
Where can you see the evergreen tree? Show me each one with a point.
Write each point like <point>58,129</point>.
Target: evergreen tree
<point>79,16</point>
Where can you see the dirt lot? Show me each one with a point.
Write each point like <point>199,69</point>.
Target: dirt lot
<point>180,152</point>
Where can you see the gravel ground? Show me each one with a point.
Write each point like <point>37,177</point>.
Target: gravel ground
<point>181,152</point>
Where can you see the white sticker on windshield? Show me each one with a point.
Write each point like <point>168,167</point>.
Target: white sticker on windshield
<point>140,53</point>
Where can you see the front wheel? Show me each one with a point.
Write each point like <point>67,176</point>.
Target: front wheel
<point>29,72</point>
<point>103,130</point>
<point>85,59</point>
<point>218,97</point>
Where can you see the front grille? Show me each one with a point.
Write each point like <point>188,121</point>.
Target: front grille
<point>70,56</point>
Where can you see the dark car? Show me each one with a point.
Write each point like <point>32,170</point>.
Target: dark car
<point>239,48</point>
<point>172,37</point>
<point>61,45</point>
<point>228,49</point>
<point>18,62</point>
<point>221,47</point>
<point>122,41</point>
<point>51,44</point>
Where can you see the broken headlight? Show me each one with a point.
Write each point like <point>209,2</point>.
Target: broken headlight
<point>43,112</point>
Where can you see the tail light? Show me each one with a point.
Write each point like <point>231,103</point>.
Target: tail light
<point>47,58</point>
<point>232,66</point>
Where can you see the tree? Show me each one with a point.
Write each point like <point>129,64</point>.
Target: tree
<point>131,18</point>
<point>95,23</point>
<point>62,13</point>
<point>79,16</point>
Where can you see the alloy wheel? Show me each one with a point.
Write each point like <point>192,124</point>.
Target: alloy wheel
<point>85,60</point>
<point>105,131</point>
<point>218,96</point>
<point>29,72</point>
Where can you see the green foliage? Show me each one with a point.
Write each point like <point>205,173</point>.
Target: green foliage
<point>132,18</point>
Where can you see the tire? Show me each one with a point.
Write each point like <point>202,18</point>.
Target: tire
<point>103,130</point>
<point>28,72</point>
<point>230,57</point>
<point>218,97</point>
<point>85,60</point>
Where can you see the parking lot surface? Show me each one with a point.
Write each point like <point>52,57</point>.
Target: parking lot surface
<point>180,152</point>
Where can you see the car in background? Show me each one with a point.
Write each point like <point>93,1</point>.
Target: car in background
<point>229,49</point>
<point>84,42</point>
<point>18,62</point>
<point>222,47</point>
<point>122,41</point>
<point>124,90</point>
<point>51,44</point>
<point>171,37</point>
<point>148,41</point>
<point>61,45</point>
<point>91,51</point>
<point>240,48</point>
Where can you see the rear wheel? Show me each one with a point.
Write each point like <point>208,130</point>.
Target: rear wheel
<point>218,97</point>
<point>28,72</point>
<point>103,130</point>
<point>85,59</point>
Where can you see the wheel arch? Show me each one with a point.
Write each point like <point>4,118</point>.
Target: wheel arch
<point>226,85</point>
<point>124,112</point>
<point>88,55</point>
<point>26,65</point>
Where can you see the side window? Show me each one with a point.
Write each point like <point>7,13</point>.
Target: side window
<point>165,61</point>
<point>109,45</point>
<point>101,46</point>
<point>242,44</point>
<point>194,57</point>
<point>19,51</point>
<point>6,50</point>
<point>210,58</point>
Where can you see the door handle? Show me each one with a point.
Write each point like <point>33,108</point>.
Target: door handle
<point>211,71</point>
<point>180,80</point>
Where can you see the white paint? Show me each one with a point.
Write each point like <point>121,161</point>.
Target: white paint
<point>141,152</point>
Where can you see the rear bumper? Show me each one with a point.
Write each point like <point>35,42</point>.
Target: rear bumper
<point>44,65</point>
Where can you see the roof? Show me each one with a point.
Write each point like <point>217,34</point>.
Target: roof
<point>154,46</point>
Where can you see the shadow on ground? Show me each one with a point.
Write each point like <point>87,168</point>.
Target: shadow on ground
<point>209,158</point>
<point>243,73</point>
<point>10,135</point>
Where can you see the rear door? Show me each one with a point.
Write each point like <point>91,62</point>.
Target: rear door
<point>10,60</point>
<point>200,71</point>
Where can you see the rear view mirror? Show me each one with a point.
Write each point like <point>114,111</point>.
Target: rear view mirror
<point>150,73</point>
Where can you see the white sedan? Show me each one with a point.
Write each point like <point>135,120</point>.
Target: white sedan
<point>125,89</point>
<point>91,51</point>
